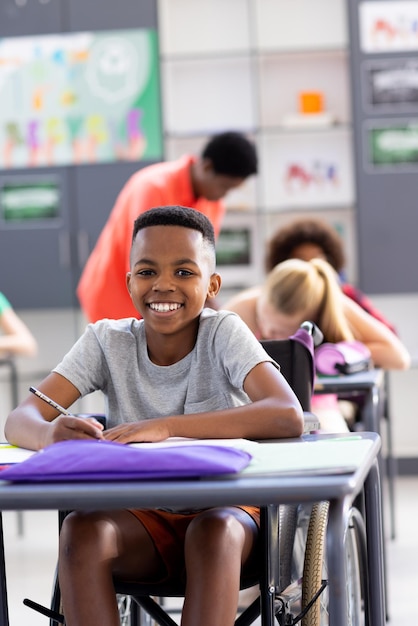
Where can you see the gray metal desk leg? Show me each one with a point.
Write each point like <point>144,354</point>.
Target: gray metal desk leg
<point>377,585</point>
<point>391,464</point>
<point>4,610</point>
<point>337,524</point>
<point>269,524</point>
<point>14,393</point>
<point>371,411</point>
<point>373,415</point>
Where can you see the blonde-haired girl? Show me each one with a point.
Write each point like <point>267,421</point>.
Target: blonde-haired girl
<point>297,290</point>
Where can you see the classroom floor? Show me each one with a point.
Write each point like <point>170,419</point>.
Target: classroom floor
<point>31,559</point>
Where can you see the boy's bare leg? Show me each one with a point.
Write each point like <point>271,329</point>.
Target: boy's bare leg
<point>218,543</point>
<point>93,548</point>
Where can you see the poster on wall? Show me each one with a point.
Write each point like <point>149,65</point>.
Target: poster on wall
<point>392,146</point>
<point>238,251</point>
<point>76,98</point>
<point>388,26</point>
<point>391,85</point>
<point>27,201</point>
<point>312,170</point>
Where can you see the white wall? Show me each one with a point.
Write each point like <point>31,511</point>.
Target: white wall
<point>403,386</point>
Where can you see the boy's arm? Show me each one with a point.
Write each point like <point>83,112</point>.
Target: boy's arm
<point>274,412</point>
<point>35,424</point>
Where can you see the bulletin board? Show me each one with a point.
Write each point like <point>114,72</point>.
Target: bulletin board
<point>79,97</point>
<point>80,112</point>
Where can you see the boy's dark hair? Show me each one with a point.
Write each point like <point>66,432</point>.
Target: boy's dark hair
<point>231,154</point>
<point>287,238</point>
<point>176,216</point>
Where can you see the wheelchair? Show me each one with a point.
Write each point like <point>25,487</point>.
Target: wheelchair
<point>296,533</point>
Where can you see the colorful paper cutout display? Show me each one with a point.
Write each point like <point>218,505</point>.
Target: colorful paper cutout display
<point>79,98</point>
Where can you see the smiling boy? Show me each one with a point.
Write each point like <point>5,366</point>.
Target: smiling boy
<point>182,370</point>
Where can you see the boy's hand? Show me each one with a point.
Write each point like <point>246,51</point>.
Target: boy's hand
<point>137,432</point>
<point>69,427</point>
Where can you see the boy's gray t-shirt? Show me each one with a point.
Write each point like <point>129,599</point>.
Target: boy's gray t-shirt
<point>112,356</point>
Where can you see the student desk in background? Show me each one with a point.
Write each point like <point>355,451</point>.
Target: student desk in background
<point>328,467</point>
<point>370,391</point>
<point>367,387</point>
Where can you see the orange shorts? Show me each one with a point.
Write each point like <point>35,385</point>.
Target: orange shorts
<point>168,532</point>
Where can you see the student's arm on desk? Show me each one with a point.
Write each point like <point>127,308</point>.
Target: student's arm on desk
<point>273,413</point>
<point>35,424</point>
<point>387,350</point>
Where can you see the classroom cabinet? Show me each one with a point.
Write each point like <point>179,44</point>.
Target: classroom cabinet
<point>384,70</point>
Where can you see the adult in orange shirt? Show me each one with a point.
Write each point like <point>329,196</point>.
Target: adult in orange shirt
<point>197,182</point>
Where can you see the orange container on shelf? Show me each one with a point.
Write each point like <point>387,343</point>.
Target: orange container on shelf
<point>311,102</point>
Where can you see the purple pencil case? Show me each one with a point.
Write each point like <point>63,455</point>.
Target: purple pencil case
<point>106,460</point>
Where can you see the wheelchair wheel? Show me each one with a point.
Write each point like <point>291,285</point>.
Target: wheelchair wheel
<point>294,522</point>
<point>56,604</point>
<point>315,569</point>
<point>125,608</point>
<point>129,612</point>
<point>357,568</point>
<point>288,519</point>
<point>293,530</point>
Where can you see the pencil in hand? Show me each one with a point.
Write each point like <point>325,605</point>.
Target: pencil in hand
<point>49,401</point>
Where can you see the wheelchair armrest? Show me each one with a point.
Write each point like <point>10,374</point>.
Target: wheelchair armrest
<point>314,331</point>
<point>311,422</point>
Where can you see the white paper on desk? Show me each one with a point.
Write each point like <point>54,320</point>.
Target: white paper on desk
<point>241,444</point>
<point>334,456</point>
<point>9,455</point>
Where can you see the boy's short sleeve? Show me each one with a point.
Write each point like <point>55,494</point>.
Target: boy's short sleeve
<point>236,349</point>
<point>112,356</point>
<point>84,365</point>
